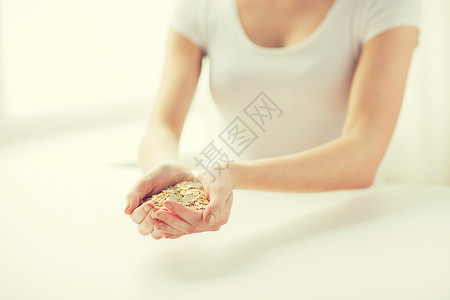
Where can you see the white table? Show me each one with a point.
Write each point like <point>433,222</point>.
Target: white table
<point>63,235</point>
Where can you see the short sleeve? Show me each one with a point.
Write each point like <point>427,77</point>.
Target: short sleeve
<point>382,15</point>
<point>187,20</point>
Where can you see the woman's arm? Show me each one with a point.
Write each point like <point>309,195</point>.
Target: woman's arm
<point>158,151</point>
<point>352,160</point>
<point>179,82</point>
<point>348,162</point>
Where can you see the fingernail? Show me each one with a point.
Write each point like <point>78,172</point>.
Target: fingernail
<point>147,208</point>
<point>161,217</point>
<point>210,220</point>
<point>152,214</point>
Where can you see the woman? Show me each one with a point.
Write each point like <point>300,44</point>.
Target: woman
<point>334,69</point>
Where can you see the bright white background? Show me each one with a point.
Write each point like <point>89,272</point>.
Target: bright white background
<point>61,56</point>
<point>77,81</point>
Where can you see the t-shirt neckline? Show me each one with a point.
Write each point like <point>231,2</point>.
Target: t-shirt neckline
<point>275,50</point>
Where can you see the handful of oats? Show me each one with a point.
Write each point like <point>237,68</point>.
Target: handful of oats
<point>188,193</point>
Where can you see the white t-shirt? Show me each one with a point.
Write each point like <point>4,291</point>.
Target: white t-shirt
<point>286,99</point>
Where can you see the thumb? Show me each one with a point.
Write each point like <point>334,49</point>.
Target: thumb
<point>140,190</point>
<point>217,196</point>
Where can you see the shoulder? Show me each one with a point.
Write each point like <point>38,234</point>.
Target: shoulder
<point>199,6</point>
<point>197,19</point>
<point>377,16</point>
<point>372,8</point>
<point>202,11</point>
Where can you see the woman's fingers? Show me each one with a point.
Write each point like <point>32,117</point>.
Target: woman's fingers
<point>171,236</point>
<point>146,226</point>
<point>141,212</point>
<point>164,228</point>
<point>214,212</point>
<point>142,188</point>
<point>229,203</point>
<point>157,228</point>
<point>226,210</point>
<point>157,235</point>
<point>173,221</point>
<point>187,214</point>
<point>132,201</point>
<point>156,180</point>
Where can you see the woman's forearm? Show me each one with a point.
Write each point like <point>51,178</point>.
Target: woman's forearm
<point>346,163</point>
<point>158,145</point>
<point>181,73</point>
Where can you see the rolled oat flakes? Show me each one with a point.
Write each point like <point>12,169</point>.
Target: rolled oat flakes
<point>188,193</point>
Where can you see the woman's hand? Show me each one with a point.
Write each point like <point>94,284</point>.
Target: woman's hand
<point>178,220</point>
<point>153,182</point>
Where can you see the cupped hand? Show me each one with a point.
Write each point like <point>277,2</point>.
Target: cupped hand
<point>153,182</point>
<point>178,220</point>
